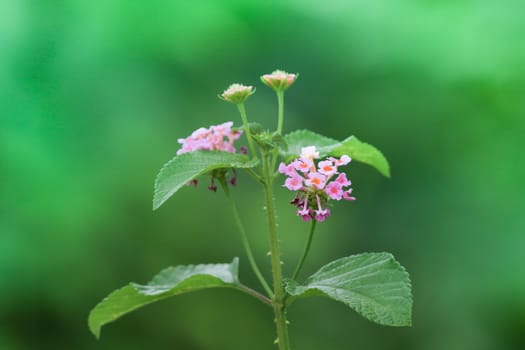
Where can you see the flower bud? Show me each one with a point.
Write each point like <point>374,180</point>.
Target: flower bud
<point>279,80</point>
<point>237,93</point>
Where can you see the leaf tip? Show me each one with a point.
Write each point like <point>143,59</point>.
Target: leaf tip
<point>93,327</point>
<point>155,205</point>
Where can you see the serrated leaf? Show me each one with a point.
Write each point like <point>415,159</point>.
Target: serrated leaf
<point>373,284</point>
<point>169,282</point>
<point>362,152</point>
<point>187,166</point>
<point>351,146</point>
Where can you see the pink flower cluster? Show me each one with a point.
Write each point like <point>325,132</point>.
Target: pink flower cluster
<point>315,185</point>
<point>217,137</point>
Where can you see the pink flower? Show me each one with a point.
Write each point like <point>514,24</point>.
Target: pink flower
<point>316,180</point>
<point>303,165</point>
<point>294,182</point>
<point>334,190</point>
<point>222,129</point>
<point>309,152</point>
<point>346,195</point>
<point>200,133</point>
<point>287,170</point>
<point>322,214</point>
<point>305,212</point>
<point>217,137</point>
<point>327,168</point>
<point>341,179</point>
<point>344,160</point>
<point>312,183</point>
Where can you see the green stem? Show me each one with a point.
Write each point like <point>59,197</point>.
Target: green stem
<point>280,121</point>
<point>244,238</point>
<point>254,175</point>
<point>306,250</point>
<point>280,102</point>
<point>279,307</point>
<point>254,293</point>
<point>242,111</point>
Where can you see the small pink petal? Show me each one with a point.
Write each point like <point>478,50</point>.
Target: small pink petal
<point>344,160</point>
<point>316,180</point>
<point>303,165</point>
<point>287,170</point>
<point>346,195</point>
<point>343,180</point>
<point>322,214</point>
<point>334,190</point>
<point>294,183</point>
<point>327,168</point>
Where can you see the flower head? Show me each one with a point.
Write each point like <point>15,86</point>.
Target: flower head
<point>279,80</point>
<point>315,184</point>
<point>217,137</point>
<point>237,93</point>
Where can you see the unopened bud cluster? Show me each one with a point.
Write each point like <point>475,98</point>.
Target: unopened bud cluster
<point>279,80</point>
<point>237,93</point>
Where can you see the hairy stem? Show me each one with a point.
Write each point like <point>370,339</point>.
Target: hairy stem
<point>244,238</point>
<point>306,250</point>
<point>279,307</point>
<point>242,111</point>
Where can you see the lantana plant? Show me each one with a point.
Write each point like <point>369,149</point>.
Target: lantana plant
<point>315,169</point>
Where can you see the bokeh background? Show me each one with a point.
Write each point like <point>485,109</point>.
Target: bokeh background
<point>94,95</point>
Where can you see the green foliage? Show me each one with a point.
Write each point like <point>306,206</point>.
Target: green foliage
<point>351,146</point>
<point>373,284</point>
<point>187,166</point>
<point>169,282</point>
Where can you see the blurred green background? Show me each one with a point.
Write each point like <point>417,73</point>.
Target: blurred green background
<point>94,95</point>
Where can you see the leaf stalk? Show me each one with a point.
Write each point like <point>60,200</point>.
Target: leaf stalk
<point>244,238</point>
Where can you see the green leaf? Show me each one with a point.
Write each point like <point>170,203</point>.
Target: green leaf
<point>304,138</point>
<point>351,146</point>
<point>187,166</point>
<point>169,282</point>
<point>373,284</point>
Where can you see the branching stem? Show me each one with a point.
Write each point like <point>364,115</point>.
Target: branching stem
<point>242,111</point>
<point>255,294</point>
